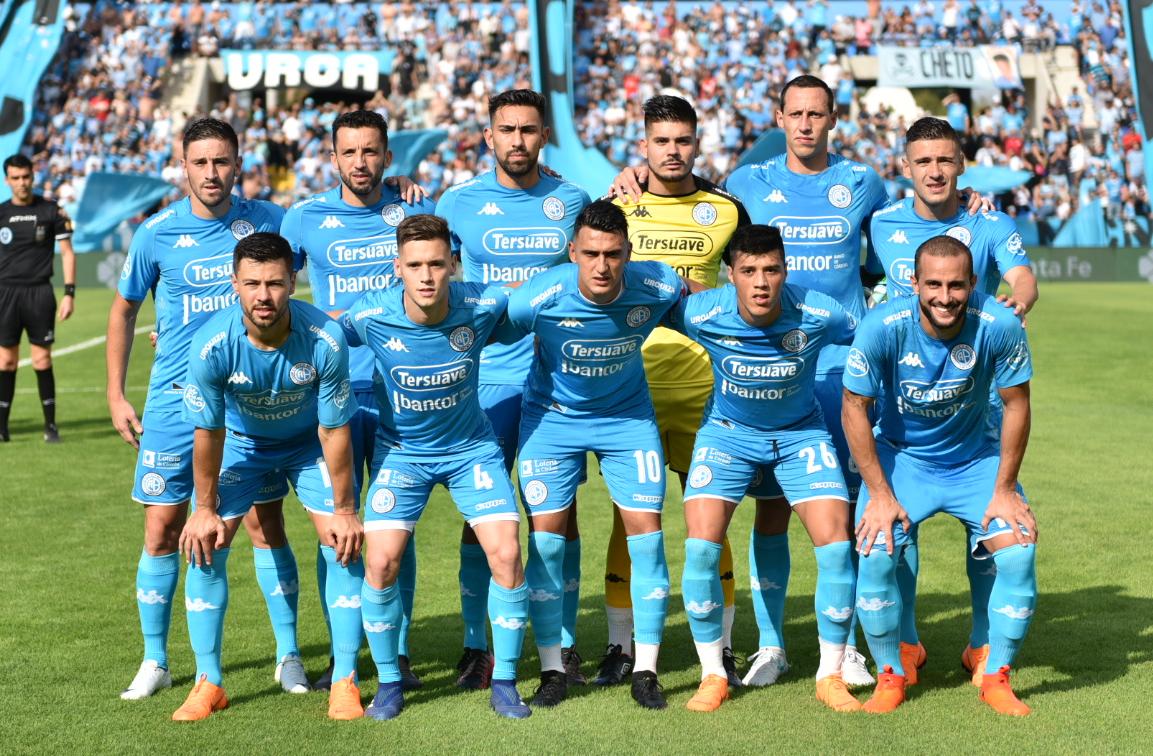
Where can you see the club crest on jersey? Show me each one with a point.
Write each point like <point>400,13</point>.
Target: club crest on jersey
<point>193,398</point>
<point>638,316</point>
<point>963,356</point>
<point>702,476</point>
<point>1015,245</point>
<point>961,234</point>
<point>461,339</point>
<point>152,484</point>
<point>535,492</point>
<point>553,208</point>
<point>392,214</point>
<point>5,235</point>
<point>302,374</point>
<point>856,364</point>
<point>795,340</point>
<point>242,228</point>
<point>840,196</point>
<point>383,501</point>
<point>704,213</point>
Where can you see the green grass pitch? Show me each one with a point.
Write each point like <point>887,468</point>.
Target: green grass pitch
<point>69,638</point>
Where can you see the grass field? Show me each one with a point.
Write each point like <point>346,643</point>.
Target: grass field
<point>69,639</point>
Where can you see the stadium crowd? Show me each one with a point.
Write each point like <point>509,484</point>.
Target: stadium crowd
<point>101,105</point>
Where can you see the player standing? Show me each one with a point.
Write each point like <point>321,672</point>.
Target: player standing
<point>684,221</point>
<point>507,226</point>
<point>183,257</point>
<point>427,338</point>
<point>931,361</point>
<point>347,237</point>
<point>269,395</point>
<point>933,162</point>
<point>764,337</point>
<point>30,227</point>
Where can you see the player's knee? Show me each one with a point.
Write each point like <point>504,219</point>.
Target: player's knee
<point>41,361</point>
<point>162,526</point>
<point>381,569</point>
<point>265,526</point>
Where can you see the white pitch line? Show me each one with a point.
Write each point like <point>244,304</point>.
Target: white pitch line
<point>95,341</point>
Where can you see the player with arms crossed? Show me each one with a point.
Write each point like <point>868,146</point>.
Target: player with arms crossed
<point>269,395</point>
<point>930,361</point>
<point>427,338</point>
<point>933,162</point>
<point>764,337</point>
<point>183,257</point>
<point>508,225</point>
<point>347,237</point>
<point>587,393</point>
<point>684,221</point>
<point>30,227</point>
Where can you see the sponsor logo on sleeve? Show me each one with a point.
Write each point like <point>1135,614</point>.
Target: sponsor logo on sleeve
<point>856,363</point>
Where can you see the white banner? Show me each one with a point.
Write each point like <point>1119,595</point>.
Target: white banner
<point>987,66</point>
<point>270,69</point>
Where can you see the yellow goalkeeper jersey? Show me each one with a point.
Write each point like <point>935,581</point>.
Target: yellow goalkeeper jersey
<point>688,232</point>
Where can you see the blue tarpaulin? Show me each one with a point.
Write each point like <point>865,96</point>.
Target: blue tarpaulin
<point>108,200</point>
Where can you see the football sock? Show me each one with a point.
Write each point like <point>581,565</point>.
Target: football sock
<point>1011,603</point>
<point>832,656</point>
<point>474,579</point>
<point>834,595</point>
<point>381,610</point>
<point>879,607</point>
<point>7,391</point>
<point>701,590</point>
<point>550,658</point>
<point>982,574</point>
<point>728,617</point>
<point>853,621</point>
<point>156,578</point>
<point>206,599</point>
<point>570,602</point>
<point>728,589</point>
<point>908,566</point>
<point>711,655</point>
<point>650,588</point>
<point>618,568</point>
<point>508,614</point>
<point>406,582</point>
<point>342,591</point>
<point>46,384</point>
<point>620,628</point>
<point>646,658</point>
<point>769,566</point>
<point>544,575</point>
<point>321,585</point>
<point>279,582</point>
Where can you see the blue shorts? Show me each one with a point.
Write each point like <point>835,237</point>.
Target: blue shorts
<point>254,475</point>
<point>925,489</point>
<point>401,485</point>
<point>802,462</point>
<point>552,458</point>
<point>363,427</point>
<point>164,463</point>
<point>501,403</point>
<point>830,390</point>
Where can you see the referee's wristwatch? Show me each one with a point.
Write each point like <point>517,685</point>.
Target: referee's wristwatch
<point>70,290</point>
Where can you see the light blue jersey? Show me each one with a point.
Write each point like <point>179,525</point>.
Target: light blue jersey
<point>588,356</point>
<point>763,377</point>
<point>506,235</point>
<point>935,394</point>
<point>349,250</point>
<point>274,397</point>
<point>897,231</point>
<point>186,263</point>
<point>427,374</point>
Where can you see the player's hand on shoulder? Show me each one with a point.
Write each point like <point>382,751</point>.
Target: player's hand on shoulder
<point>202,535</point>
<point>1018,308</point>
<point>628,183</point>
<point>125,421</point>
<point>881,512</point>
<point>410,191</point>
<point>345,534</point>
<point>1011,507</point>
<point>976,202</point>
<point>549,171</point>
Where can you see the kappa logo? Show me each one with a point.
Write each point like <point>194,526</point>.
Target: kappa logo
<point>331,221</point>
<point>490,208</point>
<point>395,344</point>
<point>730,341</point>
<point>239,378</point>
<point>185,242</point>
<point>898,237</point>
<point>776,196</point>
<point>912,359</point>
<point>571,323</point>
<point>640,212</point>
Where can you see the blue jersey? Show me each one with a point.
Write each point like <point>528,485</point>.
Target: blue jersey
<point>186,263</point>
<point>427,374</point>
<point>763,377</point>
<point>992,237</point>
<point>505,235</point>
<point>349,250</point>
<point>588,356</point>
<point>274,396</point>
<point>935,394</point>
<point>821,217</point>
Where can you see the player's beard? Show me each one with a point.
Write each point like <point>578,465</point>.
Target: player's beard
<point>517,171</point>
<point>958,316</point>
<point>225,195</point>
<point>671,178</point>
<point>376,178</point>
<point>265,323</point>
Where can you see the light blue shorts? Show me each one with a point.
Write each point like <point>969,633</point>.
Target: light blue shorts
<point>501,403</point>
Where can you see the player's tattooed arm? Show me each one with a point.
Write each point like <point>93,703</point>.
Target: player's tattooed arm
<point>205,531</point>
<point>883,508</point>
<point>118,347</point>
<point>410,191</point>
<point>342,531</point>
<point>1007,504</point>
<point>629,183</point>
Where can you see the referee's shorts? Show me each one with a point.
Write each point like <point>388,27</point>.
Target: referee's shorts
<point>27,308</point>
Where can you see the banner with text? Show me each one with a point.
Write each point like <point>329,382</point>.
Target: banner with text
<point>271,69</point>
<point>987,66</point>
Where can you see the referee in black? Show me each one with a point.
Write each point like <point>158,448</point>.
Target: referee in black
<point>30,226</point>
